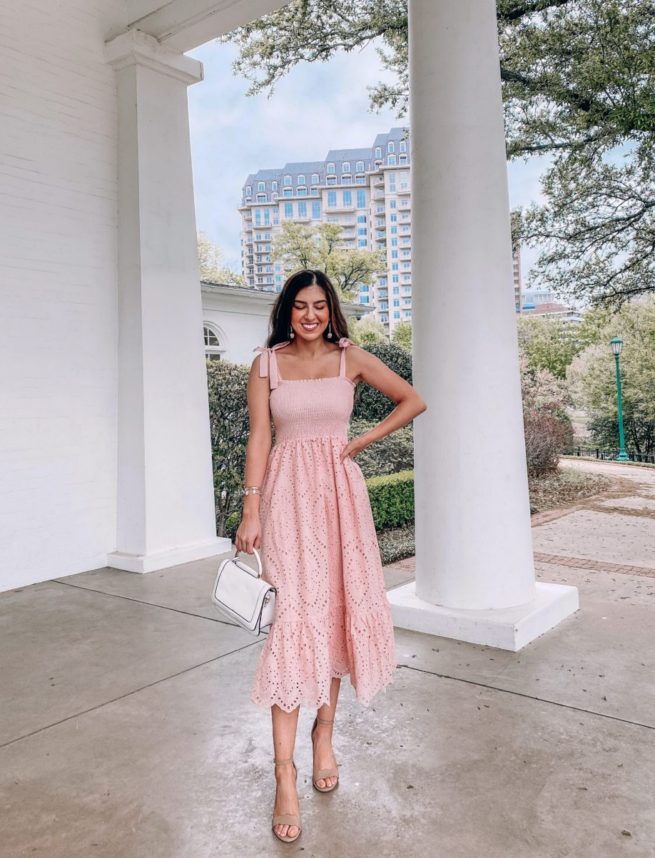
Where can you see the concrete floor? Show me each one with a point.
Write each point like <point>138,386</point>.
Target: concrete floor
<point>126,730</point>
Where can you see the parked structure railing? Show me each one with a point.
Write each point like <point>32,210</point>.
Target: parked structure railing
<point>610,455</point>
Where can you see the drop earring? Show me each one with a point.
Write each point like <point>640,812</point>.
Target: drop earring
<point>329,333</point>
<point>292,333</point>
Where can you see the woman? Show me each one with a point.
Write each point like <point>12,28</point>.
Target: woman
<point>306,506</point>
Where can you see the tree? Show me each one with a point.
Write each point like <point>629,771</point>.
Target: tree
<point>548,343</point>
<point>592,379</point>
<point>212,267</point>
<point>320,247</point>
<point>370,403</point>
<point>229,428</point>
<point>402,335</point>
<point>578,85</point>
<point>367,331</point>
<point>546,422</point>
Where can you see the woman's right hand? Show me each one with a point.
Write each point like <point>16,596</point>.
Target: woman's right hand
<point>248,535</point>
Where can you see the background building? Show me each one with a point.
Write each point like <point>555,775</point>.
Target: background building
<point>366,191</point>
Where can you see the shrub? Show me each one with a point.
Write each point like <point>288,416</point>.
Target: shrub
<point>547,425</point>
<point>389,455</point>
<point>546,436</point>
<point>370,404</point>
<point>229,427</point>
<point>392,499</point>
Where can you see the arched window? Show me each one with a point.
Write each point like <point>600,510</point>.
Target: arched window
<point>391,146</point>
<point>213,347</point>
<point>403,145</point>
<point>330,167</point>
<point>359,166</point>
<point>314,178</point>
<point>274,186</point>
<point>300,180</point>
<point>261,187</point>
<point>288,180</point>
<point>345,167</point>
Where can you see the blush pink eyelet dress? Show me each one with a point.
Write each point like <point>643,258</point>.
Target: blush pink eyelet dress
<point>319,549</point>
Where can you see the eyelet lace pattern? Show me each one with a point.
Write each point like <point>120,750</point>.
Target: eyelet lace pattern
<point>319,549</point>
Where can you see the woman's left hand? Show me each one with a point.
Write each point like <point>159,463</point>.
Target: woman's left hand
<point>354,446</point>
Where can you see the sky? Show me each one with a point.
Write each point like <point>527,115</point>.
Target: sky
<point>316,107</point>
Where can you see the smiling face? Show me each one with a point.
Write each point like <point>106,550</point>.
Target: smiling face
<point>310,313</point>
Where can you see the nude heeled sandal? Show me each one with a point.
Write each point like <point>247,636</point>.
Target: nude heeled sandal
<point>321,774</point>
<point>287,818</point>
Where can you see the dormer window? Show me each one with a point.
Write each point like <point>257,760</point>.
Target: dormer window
<point>359,166</point>
<point>330,167</point>
<point>288,180</point>
<point>315,179</point>
<point>300,180</point>
<point>391,146</point>
<point>345,167</point>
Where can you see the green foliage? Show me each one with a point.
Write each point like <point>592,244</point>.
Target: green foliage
<point>229,427</point>
<point>594,322</point>
<point>578,85</point>
<point>402,336</point>
<point>366,331</point>
<point>321,247</point>
<point>370,404</point>
<point>592,378</point>
<point>392,499</point>
<point>212,266</point>
<point>548,343</point>
<point>393,453</point>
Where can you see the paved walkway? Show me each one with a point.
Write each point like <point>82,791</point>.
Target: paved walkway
<point>126,732</point>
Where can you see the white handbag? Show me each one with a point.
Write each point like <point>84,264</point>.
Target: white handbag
<point>242,596</point>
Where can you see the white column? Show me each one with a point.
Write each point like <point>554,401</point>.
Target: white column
<point>475,574</point>
<point>164,484</point>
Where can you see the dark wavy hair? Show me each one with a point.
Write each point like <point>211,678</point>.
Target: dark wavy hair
<point>280,320</point>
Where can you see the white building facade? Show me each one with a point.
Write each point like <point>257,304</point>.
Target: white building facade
<point>366,191</point>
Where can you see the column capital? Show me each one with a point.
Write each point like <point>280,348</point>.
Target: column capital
<point>134,47</point>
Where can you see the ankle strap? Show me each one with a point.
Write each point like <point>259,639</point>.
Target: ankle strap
<point>282,762</point>
<point>325,720</point>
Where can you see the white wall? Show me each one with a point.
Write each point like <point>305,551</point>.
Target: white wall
<point>240,320</point>
<point>58,328</point>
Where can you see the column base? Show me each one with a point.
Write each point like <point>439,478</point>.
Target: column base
<point>172,557</point>
<point>505,628</point>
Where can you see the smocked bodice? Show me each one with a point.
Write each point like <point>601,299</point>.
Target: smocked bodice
<point>308,407</point>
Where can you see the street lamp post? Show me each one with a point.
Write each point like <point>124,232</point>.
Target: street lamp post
<point>617,345</point>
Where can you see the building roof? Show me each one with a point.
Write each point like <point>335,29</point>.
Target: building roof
<point>337,156</point>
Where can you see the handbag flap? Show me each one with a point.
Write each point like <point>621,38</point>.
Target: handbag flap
<point>238,591</point>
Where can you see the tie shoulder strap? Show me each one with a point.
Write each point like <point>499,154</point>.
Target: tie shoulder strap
<point>344,342</point>
<point>268,363</point>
